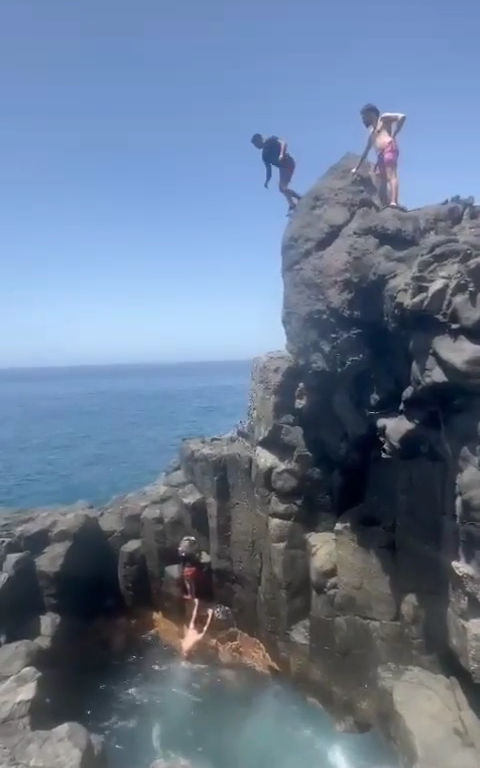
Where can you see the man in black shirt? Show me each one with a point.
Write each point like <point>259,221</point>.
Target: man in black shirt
<point>274,152</point>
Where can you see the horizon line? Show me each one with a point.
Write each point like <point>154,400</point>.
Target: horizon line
<point>144,364</point>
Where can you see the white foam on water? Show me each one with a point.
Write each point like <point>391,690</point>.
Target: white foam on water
<point>337,758</point>
<point>187,694</point>
<point>157,739</point>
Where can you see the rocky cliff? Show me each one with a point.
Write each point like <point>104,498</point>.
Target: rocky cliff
<point>343,522</point>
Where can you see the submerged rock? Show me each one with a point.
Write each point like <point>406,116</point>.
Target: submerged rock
<point>67,746</point>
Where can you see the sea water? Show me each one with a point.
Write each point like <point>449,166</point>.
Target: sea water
<point>95,432</point>
<point>155,706</point>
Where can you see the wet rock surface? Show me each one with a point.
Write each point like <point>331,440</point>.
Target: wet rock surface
<point>430,719</point>
<point>341,524</point>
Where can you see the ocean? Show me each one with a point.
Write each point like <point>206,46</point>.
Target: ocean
<point>91,433</point>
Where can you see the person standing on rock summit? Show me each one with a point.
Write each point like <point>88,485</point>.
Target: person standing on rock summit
<point>383,129</point>
<point>274,152</point>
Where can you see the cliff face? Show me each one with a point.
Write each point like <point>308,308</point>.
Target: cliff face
<point>382,316</point>
<point>343,523</point>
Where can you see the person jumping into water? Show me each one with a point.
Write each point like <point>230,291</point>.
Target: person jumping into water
<point>274,152</point>
<point>192,636</point>
<point>383,130</point>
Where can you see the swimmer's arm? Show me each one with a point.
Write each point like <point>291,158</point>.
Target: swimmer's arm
<point>283,149</point>
<point>394,117</point>
<point>194,614</point>
<point>365,153</point>
<point>209,621</point>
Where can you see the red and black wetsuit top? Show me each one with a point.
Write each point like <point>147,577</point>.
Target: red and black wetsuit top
<point>271,153</point>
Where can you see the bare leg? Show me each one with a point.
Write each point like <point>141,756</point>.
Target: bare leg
<point>285,177</point>
<point>392,182</point>
<point>381,184</point>
<point>291,196</point>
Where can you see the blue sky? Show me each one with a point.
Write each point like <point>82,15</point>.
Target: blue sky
<point>134,225</point>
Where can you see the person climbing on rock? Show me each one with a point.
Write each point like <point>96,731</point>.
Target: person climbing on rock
<point>189,553</point>
<point>195,579</point>
<point>383,130</point>
<point>192,636</point>
<point>274,152</point>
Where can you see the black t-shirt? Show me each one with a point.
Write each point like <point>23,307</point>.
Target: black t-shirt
<point>271,151</point>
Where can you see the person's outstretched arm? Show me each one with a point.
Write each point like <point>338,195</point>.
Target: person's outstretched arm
<point>365,153</point>
<point>208,622</point>
<point>194,614</point>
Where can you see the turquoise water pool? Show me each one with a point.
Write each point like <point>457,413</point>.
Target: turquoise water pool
<point>154,706</point>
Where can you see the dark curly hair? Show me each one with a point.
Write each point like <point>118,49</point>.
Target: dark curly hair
<point>370,108</point>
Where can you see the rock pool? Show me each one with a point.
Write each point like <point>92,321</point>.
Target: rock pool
<point>150,705</point>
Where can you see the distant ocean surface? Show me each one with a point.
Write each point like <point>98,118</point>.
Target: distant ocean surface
<point>91,433</point>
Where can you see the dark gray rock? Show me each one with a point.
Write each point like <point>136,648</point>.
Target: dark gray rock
<point>16,656</point>
<point>121,519</point>
<point>48,633</point>
<point>154,550</point>
<point>365,572</point>
<point>35,535</point>
<point>78,574</point>
<point>323,559</point>
<point>19,696</point>
<point>428,719</point>
<point>175,479</point>
<point>272,394</point>
<point>463,629</point>
<point>172,589</point>
<point>283,510</point>
<point>221,469</point>
<point>20,597</point>
<point>286,480</point>
<point>66,746</point>
<point>75,525</point>
<point>133,575</point>
<point>194,505</point>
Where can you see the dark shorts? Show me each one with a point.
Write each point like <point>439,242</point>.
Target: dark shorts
<point>200,580</point>
<point>286,171</point>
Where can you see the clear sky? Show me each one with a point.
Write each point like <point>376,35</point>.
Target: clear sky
<point>134,225</point>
